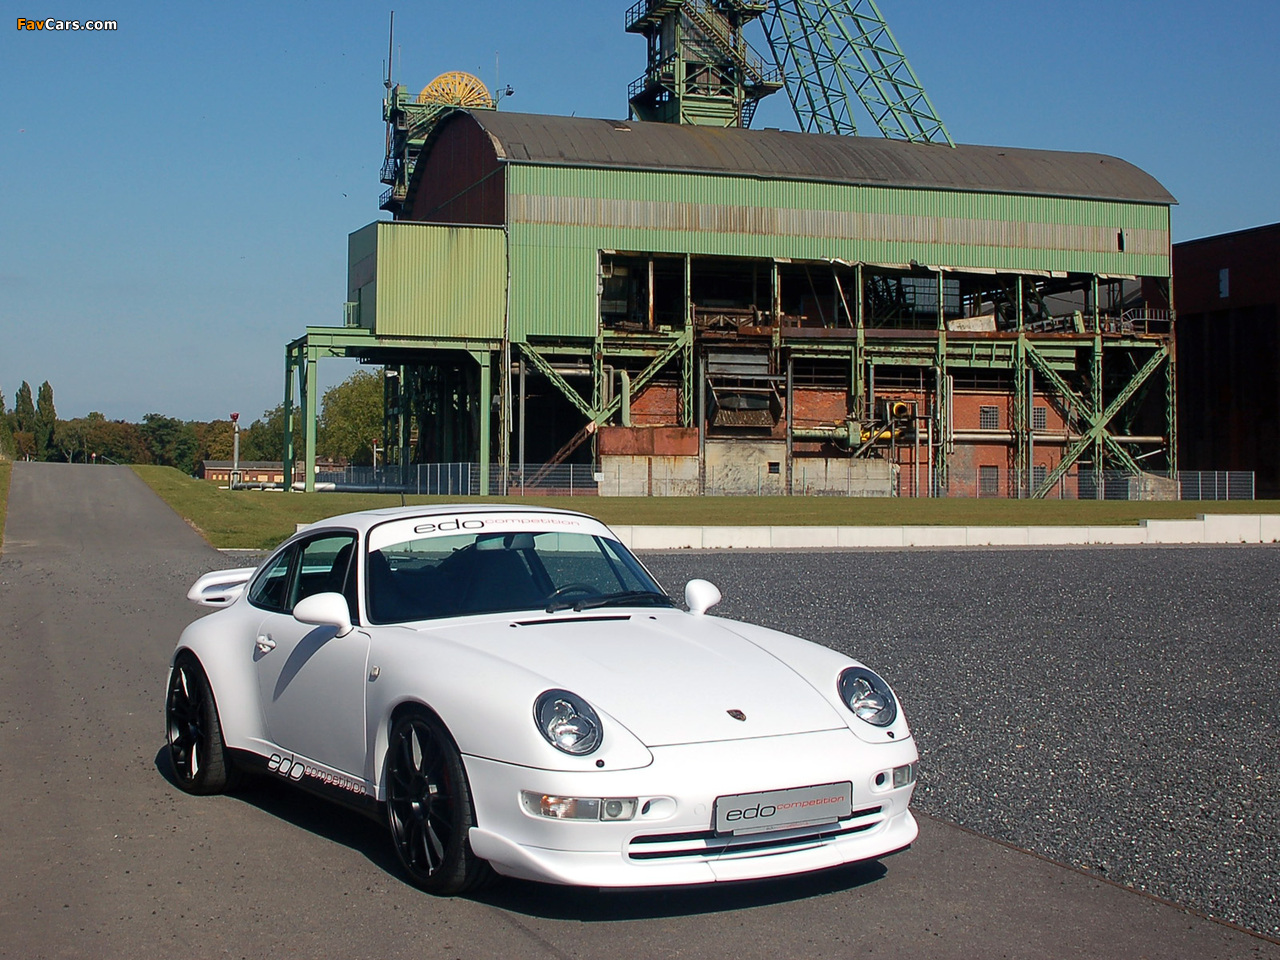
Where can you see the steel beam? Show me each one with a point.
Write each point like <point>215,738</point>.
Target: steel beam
<point>1097,434</point>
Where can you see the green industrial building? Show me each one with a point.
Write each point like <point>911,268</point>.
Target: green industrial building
<point>694,307</point>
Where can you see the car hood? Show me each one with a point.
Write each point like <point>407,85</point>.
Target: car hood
<point>668,677</point>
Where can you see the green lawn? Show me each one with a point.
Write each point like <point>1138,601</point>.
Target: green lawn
<point>6,468</point>
<point>258,519</point>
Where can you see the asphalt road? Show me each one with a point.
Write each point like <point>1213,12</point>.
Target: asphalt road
<point>102,856</point>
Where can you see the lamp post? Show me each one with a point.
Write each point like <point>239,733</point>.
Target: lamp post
<point>235,450</point>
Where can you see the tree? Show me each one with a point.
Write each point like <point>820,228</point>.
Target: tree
<point>116,441</point>
<point>214,440</point>
<point>6,431</point>
<point>24,411</point>
<point>171,443</point>
<point>351,416</point>
<point>46,421</point>
<point>71,440</point>
<point>264,440</point>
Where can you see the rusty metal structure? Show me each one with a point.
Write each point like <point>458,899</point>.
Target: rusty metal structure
<point>741,311</point>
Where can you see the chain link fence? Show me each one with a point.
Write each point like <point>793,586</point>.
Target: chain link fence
<point>577,479</point>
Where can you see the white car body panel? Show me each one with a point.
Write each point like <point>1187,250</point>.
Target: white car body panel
<point>317,708</point>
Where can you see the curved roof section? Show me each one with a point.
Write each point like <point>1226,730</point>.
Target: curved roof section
<point>785,155</point>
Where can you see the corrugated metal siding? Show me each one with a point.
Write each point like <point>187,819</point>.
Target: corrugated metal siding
<point>459,181</point>
<point>557,227</point>
<point>901,227</point>
<point>439,281</point>
<point>362,285</point>
<point>553,285</point>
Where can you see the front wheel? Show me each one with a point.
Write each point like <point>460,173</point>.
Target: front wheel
<point>429,808</point>
<point>196,749</point>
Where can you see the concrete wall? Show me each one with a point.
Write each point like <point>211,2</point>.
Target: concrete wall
<point>741,468</point>
<point>746,467</point>
<point>648,476</point>
<point>843,477</point>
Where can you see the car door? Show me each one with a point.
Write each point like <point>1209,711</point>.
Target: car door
<point>311,681</point>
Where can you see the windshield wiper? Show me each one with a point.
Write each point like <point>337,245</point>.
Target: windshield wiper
<point>620,599</point>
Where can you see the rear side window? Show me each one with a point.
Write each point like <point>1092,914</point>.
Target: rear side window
<point>271,590</point>
<point>319,565</point>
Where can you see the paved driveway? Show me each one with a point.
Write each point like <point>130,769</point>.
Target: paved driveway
<point>103,857</point>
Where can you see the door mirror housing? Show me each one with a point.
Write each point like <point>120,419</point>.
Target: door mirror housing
<point>325,610</point>
<point>700,596</point>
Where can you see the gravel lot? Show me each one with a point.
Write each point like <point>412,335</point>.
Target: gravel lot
<point>1114,709</point>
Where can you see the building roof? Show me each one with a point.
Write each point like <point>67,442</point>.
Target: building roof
<point>785,155</point>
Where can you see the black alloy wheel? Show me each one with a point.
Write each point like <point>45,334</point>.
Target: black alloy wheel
<point>429,808</point>
<point>196,749</point>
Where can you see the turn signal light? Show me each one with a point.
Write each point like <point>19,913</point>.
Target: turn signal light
<point>578,808</point>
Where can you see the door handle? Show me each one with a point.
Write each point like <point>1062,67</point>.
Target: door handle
<point>266,644</point>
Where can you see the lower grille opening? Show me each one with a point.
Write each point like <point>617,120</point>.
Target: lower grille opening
<point>706,844</point>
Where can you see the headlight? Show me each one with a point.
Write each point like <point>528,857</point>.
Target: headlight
<point>868,696</point>
<point>568,722</point>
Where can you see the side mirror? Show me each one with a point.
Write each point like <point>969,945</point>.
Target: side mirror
<point>700,596</point>
<point>325,610</point>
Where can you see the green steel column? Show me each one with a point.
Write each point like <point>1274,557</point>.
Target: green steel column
<point>483,358</point>
<point>1096,386</point>
<point>390,427</point>
<point>288,417</point>
<point>1171,385</point>
<point>309,419</point>
<point>597,391</point>
<point>1171,402</point>
<point>859,351</point>
<point>1021,415</point>
<point>686,355</point>
<point>406,423</point>
<point>939,479</point>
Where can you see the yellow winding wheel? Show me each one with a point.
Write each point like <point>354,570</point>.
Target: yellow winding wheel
<point>457,89</point>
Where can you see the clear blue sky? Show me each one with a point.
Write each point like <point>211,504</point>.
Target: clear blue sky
<point>177,194</point>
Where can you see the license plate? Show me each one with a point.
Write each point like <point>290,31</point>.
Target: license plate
<point>782,809</point>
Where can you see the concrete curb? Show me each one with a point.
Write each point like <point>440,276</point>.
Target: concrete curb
<point>1206,528</point>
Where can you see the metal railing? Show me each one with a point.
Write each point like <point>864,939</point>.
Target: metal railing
<point>467,480</point>
<point>579,479</point>
<point>1094,485</point>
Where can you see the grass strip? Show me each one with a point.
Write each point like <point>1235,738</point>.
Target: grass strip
<point>260,519</point>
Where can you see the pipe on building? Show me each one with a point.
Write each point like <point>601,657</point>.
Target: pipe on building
<point>624,387</point>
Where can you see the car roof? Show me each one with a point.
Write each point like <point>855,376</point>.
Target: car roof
<point>365,519</point>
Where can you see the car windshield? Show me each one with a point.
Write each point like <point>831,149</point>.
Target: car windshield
<point>452,576</point>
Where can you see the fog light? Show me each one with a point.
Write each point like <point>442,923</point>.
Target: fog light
<point>578,808</point>
<point>618,809</point>
<point>904,775</point>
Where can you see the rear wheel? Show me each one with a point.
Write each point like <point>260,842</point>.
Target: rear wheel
<point>196,749</point>
<point>429,808</point>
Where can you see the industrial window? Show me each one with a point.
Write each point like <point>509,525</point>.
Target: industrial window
<point>989,481</point>
<point>989,418</point>
<point>775,467</point>
<point>1040,418</point>
<point>1038,474</point>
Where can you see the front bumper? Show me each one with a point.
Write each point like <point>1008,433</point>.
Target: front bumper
<point>673,843</point>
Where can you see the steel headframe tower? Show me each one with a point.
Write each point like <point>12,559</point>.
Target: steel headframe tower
<point>700,68</point>
<point>833,51</point>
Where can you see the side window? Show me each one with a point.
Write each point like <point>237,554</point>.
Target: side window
<point>326,568</point>
<point>271,590</point>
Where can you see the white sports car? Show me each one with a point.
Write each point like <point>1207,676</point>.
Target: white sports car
<point>513,692</point>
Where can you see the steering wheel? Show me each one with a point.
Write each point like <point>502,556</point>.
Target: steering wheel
<point>584,588</point>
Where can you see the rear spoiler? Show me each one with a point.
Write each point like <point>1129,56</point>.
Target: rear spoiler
<point>220,588</point>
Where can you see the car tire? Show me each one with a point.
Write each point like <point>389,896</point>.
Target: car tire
<point>197,752</point>
<point>429,808</point>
